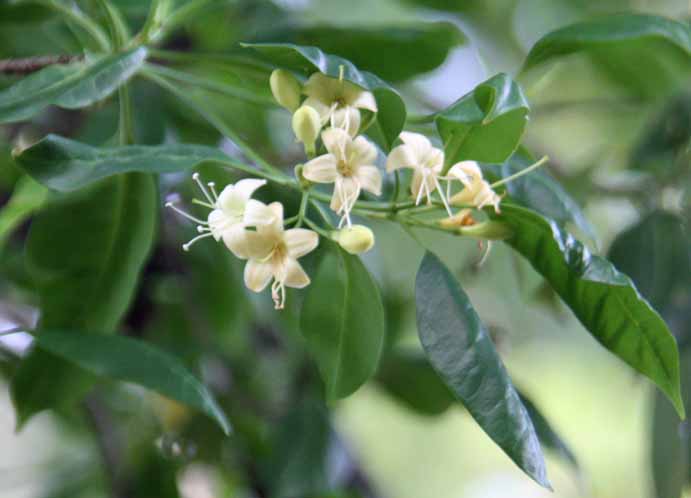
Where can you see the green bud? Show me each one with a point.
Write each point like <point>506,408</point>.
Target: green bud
<point>306,126</point>
<point>286,89</point>
<point>355,240</point>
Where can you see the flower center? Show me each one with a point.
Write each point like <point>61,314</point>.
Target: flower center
<point>344,168</point>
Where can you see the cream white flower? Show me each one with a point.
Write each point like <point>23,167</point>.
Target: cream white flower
<point>349,165</point>
<point>338,101</point>
<point>427,161</point>
<point>273,253</point>
<point>477,192</point>
<point>231,212</point>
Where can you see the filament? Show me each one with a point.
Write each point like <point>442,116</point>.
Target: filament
<point>212,187</point>
<point>186,215</point>
<point>195,177</point>
<point>186,247</point>
<point>441,194</point>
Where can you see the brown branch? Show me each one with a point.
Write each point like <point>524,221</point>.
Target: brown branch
<point>32,64</point>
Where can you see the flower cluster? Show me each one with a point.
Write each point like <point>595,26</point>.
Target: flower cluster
<point>330,110</point>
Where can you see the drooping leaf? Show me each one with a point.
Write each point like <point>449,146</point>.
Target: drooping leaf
<point>65,165</point>
<point>125,359</point>
<point>412,380</point>
<point>605,301</point>
<point>391,113</point>
<point>540,192</point>
<point>343,322</point>
<point>26,198</point>
<point>549,438</point>
<point>655,254</point>
<point>84,252</point>
<point>630,47</point>
<point>461,351</point>
<point>71,86</point>
<point>395,53</point>
<point>486,124</point>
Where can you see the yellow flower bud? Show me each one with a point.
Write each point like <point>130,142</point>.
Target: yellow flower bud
<point>355,240</point>
<point>306,126</point>
<point>286,89</point>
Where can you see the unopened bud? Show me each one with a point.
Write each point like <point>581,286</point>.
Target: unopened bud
<point>286,89</point>
<point>355,240</point>
<point>306,126</point>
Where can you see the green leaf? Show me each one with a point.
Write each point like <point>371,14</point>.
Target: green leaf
<point>128,360</point>
<point>26,198</point>
<point>411,379</point>
<point>307,60</point>
<point>660,263</point>
<point>669,450</point>
<point>395,53</point>
<point>540,192</point>
<point>461,351</point>
<point>546,433</point>
<point>71,86</point>
<point>630,47</point>
<point>486,124</point>
<point>605,301</point>
<point>84,252</point>
<point>343,322</point>
<point>65,165</point>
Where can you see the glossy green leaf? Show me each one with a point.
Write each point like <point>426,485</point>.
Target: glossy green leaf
<point>395,53</point>
<point>71,86</point>
<point>661,262</point>
<point>411,379</point>
<point>125,359</point>
<point>605,301</point>
<point>461,351</point>
<point>391,113</point>
<point>343,322</point>
<point>549,438</point>
<point>540,192</point>
<point>84,252</point>
<point>26,198</point>
<point>630,47</point>
<point>486,124</point>
<point>65,165</point>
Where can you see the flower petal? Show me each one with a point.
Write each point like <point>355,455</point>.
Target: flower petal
<point>300,241</point>
<point>219,222</point>
<point>402,156</point>
<point>246,187</point>
<point>416,184</point>
<point>322,109</point>
<point>362,151</point>
<point>370,179</point>
<point>257,275</point>
<point>322,88</point>
<point>322,169</point>
<point>346,192</point>
<point>336,142</point>
<point>274,229</point>
<point>257,213</point>
<point>362,100</point>
<point>295,275</point>
<point>418,142</point>
<point>467,172</point>
<point>349,116</point>
<point>245,244</point>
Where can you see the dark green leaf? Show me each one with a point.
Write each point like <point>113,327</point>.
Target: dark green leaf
<point>125,359</point>
<point>395,53</point>
<point>343,322</point>
<point>307,60</point>
<point>540,192</point>
<point>461,351</point>
<point>630,47</point>
<point>412,380</point>
<point>26,198</point>
<point>605,301</point>
<point>655,254</point>
<point>486,124</point>
<point>65,165</point>
<point>547,435</point>
<point>71,86</point>
<point>84,252</point>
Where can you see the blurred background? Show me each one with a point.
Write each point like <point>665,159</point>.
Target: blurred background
<point>617,129</point>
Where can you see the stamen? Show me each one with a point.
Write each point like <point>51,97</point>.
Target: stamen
<point>212,187</point>
<point>422,186</point>
<point>202,203</point>
<point>441,194</point>
<point>485,255</point>
<point>341,72</point>
<point>186,215</point>
<point>195,177</point>
<point>278,294</point>
<point>186,247</point>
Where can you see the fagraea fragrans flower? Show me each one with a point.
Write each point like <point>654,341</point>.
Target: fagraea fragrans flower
<point>273,254</point>
<point>426,161</point>
<point>349,165</point>
<point>476,192</point>
<point>338,101</point>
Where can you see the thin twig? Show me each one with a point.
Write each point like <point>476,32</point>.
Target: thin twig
<point>28,65</point>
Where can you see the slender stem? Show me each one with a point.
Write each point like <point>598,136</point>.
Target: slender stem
<point>396,189</point>
<point>214,120</point>
<point>303,208</point>
<point>317,228</point>
<point>524,171</point>
<point>75,15</point>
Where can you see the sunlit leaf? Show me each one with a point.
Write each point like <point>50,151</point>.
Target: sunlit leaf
<point>343,322</point>
<point>461,351</point>
<point>605,301</point>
